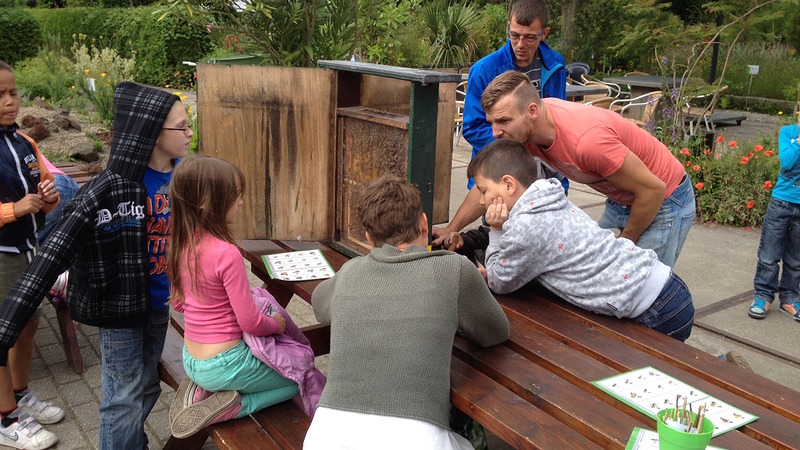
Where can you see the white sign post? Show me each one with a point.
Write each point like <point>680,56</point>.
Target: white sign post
<point>753,71</point>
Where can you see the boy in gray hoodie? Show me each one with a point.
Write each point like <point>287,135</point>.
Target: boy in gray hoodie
<point>536,233</point>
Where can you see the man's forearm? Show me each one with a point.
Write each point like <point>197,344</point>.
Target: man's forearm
<point>642,215</point>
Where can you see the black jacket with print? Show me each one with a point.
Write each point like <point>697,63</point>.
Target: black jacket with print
<point>101,235</point>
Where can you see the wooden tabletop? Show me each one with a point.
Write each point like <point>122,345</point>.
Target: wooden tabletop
<point>536,390</point>
<point>577,90</point>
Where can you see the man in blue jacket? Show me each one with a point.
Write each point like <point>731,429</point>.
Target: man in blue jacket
<point>526,52</point>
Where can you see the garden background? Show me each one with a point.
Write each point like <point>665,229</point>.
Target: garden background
<point>56,46</point>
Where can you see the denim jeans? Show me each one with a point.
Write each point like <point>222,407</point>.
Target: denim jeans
<point>66,187</point>
<point>780,241</point>
<point>673,311</point>
<point>668,231</point>
<point>131,384</point>
<point>236,369</point>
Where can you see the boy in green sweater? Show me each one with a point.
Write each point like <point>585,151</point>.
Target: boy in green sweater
<point>393,315</point>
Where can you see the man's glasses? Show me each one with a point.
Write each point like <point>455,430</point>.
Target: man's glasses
<point>527,38</point>
<point>186,129</point>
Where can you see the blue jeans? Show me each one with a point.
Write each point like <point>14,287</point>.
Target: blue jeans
<point>131,384</point>
<point>780,241</point>
<point>668,231</point>
<point>673,311</point>
<point>236,369</point>
<point>66,187</point>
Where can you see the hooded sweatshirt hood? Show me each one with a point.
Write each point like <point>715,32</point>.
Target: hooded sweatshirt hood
<point>140,112</point>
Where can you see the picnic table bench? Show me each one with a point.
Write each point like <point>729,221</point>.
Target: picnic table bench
<point>535,390</point>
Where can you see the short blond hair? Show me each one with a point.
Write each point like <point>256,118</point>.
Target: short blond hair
<point>511,83</point>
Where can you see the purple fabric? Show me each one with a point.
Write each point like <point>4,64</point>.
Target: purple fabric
<point>289,353</point>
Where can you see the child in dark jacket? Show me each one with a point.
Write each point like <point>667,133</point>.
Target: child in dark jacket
<point>113,238</point>
<point>27,193</point>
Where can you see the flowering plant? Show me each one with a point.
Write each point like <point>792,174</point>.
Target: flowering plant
<point>98,72</point>
<point>733,183</point>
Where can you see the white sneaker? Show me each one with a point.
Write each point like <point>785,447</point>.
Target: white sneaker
<point>26,434</point>
<point>42,412</point>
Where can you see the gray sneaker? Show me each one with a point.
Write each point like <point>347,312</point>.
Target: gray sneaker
<point>26,434</point>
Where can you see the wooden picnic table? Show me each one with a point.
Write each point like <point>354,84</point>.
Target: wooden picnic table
<point>536,391</point>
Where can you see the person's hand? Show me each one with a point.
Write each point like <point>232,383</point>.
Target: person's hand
<point>497,214</point>
<point>482,270</point>
<point>453,241</point>
<point>281,321</point>
<point>48,191</point>
<point>439,235</point>
<point>29,204</point>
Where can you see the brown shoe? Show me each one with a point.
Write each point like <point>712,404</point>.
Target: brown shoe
<point>735,358</point>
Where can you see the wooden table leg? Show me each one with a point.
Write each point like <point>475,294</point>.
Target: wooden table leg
<point>68,337</point>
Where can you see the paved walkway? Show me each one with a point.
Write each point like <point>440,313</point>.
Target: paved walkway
<point>717,263</point>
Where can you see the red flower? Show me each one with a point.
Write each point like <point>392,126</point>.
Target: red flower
<point>688,163</point>
<point>758,148</point>
<point>685,151</point>
<point>695,167</point>
<point>745,160</point>
<point>749,154</point>
<point>750,204</point>
<point>768,184</point>
<point>769,153</point>
<point>707,151</point>
<point>732,144</point>
<point>699,185</point>
<point>720,138</point>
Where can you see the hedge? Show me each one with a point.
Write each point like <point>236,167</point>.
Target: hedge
<point>160,46</point>
<point>20,37</point>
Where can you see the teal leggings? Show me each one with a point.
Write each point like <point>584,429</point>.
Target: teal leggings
<point>238,370</point>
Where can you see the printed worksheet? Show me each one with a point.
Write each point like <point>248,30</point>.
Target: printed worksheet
<point>650,390</point>
<point>298,266</point>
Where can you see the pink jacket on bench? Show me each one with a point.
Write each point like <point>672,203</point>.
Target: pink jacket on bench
<point>289,354</point>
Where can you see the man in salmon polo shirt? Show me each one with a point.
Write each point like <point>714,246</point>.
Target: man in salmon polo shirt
<point>650,196</point>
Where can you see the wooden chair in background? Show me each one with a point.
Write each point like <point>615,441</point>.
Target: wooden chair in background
<point>461,94</point>
<point>615,90</point>
<point>645,104</point>
<point>702,106</point>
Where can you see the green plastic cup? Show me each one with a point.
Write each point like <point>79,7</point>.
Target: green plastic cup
<point>672,439</point>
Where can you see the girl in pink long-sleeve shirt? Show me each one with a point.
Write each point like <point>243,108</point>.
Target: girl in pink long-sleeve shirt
<point>210,285</point>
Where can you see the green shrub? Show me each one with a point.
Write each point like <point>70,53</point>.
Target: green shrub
<point>66,23</point>
<point>778,75</point>
<point>160,46</point>
<point>733,182</point>
<point>490,30</point>
<point>98,71</point>
<point>48,74</point>
<point>20,37</point>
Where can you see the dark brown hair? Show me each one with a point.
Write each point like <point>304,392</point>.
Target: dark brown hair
<point>504,157</point>
<point>389,209</point>
<point>524,12</point>
<point>202,191</point>
<point>512,83</point>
